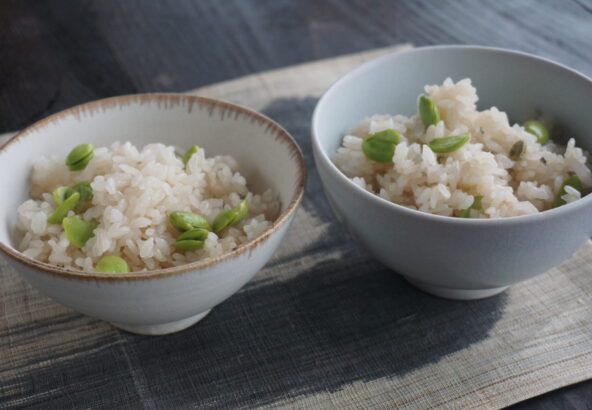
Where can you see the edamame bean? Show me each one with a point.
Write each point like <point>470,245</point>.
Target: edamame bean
<point>449,144</point>
<point>189,154</point>
<point>63,208</point>
<point>59,194</point>
<point>230,217</point>
<point>83,188</point>
<point>80,156</point>
<point>476,205</point>
<point>186,221</point>
<point>78,230</point>
<point>380,146</point>
<point>516,150</point>
<point>64,192</point>
<point>194,234</point>
<point>242,209</point>
<point>537,129</point>
<point>428,111</point>
<point>188,245</point>
<point>112,264</point>
<point>574,182</point>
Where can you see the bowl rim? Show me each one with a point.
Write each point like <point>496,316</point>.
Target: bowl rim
<point>175,98</point>
<point>322,158</point>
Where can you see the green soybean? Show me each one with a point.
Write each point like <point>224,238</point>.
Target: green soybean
<point>189,154</point>
<point>537,129</point>
<point>112,264</point>
<point>78,230</point>
<point>194,234</point>
<point>242,209</point>
<point>59,194</point>
<point>83,188</point>
<point>63,208</point>
<point>476,205</point>
<point>186,221</point>
<point>230,217</point>
<point>574,182</point>
<point>380,146</point>
<point>223,219</point>
<point>80,156</point>
<point>516,150</point>
<point>64,192</point>
<point>449,144</point>
<point>188,245</point>
<point>428,111</point>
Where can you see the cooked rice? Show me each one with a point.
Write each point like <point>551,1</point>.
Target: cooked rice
<point>444,184</point>
<point>134,191</point>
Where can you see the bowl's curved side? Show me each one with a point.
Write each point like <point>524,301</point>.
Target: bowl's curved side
<point>159,305</point>
<point>268,156</point>
<point>443,251</point>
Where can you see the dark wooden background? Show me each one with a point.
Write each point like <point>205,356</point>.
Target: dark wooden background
<point>55,54</point>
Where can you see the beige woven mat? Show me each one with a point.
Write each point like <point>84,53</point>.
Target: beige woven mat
<point>540,337</point>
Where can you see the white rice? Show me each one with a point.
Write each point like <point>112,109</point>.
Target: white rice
<point>133,193</point>
<point>444,184</point>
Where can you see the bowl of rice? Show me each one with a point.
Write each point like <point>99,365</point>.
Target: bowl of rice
<point>465,169</point>
<point>147,210</point>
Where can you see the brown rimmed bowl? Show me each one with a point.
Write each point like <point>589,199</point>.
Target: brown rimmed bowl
<point>165,300</point>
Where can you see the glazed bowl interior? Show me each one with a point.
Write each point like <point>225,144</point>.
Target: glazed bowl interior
<point>523,86</point>
<point>458,258</point>
<point>267,156</point>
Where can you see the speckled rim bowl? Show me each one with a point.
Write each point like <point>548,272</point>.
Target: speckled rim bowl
<point>267,155</point>
<point>455,257</point>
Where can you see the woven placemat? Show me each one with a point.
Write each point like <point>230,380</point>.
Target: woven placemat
<point>321,326</point>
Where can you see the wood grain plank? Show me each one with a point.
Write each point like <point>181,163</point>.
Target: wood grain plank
<point>65,53</point>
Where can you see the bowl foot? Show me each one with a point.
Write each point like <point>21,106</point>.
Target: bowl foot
<point>456,294</point>
<point>162,328</point>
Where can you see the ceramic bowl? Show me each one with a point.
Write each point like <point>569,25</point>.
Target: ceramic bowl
<point>454,257</point>
<point>166,300</point>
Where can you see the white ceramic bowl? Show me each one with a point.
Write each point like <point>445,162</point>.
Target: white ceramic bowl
<point>166,300</point>
<point>455,257</point>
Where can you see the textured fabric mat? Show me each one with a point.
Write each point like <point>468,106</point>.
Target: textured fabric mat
<point>321,326</point>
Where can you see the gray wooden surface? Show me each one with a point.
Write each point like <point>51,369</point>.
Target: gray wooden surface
<point>55,54</point>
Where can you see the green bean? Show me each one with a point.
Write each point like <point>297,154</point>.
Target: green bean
<point>78,230</point>
<point>188,245</point>
<point>449,144</point>
<point>230,217</point>
<point>516,150</point>
<point>476,205</point>
<point>189,154</point>
<point>80,156</point>
<point>63,208</point>
<point>59,194</point>
<point>537,129</point>
<point>380,146</point>
<point>574,182</point>
<point>199,234</point>
<point>83,188</point>
<point>112,264</point>
<point>242,209</point>
<point>186,221</point>
<point>428,111</point>
<point>223,219</point>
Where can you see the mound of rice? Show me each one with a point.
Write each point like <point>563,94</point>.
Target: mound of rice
<point>444,184</point>
<point>134,192</point>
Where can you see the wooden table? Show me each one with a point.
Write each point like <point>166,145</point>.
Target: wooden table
<point>55,54</point>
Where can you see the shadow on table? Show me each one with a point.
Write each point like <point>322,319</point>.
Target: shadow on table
<point>323,316</point>
<point>344,320</point>
<point>340,320</point>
